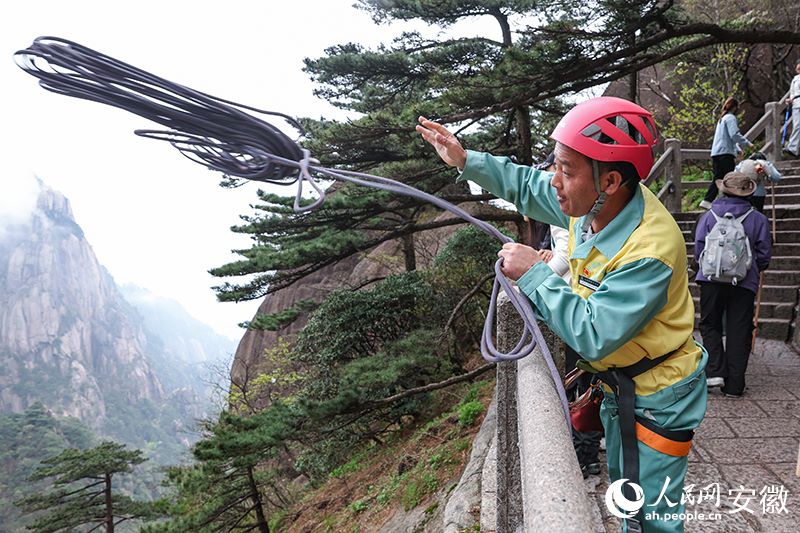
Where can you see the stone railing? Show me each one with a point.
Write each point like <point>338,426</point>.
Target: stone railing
<point>670,163</point>
<point>539,483</point>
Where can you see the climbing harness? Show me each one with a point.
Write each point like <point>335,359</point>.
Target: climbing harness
<point>634,429</point>
<point>222,136</point>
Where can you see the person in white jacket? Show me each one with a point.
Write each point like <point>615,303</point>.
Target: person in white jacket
<point>759,169</point>
<point>793,147</point>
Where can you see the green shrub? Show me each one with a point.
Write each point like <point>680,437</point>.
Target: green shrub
<point>358,506</point>
<point>354,324</point>
<point>468,413</point>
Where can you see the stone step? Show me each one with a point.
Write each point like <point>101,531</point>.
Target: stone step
<point>776,263</point>
<point>768,328</point>
<point>781,237</point>
<point>779,248</point>
<point>781,224</point>
<point>769,293</point>
<point>785,198</point>
<point>781,277</point>
<point>776,310</point>
<point>785,188</point>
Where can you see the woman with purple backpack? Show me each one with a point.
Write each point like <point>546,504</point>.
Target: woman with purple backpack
<point>722,297</point>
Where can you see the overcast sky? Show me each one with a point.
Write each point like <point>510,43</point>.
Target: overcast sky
<point>153,217</point>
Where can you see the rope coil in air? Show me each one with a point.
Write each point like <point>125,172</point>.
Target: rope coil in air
<point>222,136</point>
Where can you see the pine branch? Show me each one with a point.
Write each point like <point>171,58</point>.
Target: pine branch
<point>431,387</point>
<point>464,300</point>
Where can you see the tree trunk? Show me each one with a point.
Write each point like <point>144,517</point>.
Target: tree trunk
<point>109,506</point>
<point>505,27</point>
<point>255,496</point>
<point>633,78</point>
<point>409,252</point>
<point>524,142</point>
<point>633,86</point>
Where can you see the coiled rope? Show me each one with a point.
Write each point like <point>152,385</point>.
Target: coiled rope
<point>220,135</point>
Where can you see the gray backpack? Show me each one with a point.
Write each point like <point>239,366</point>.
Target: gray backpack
<point>727,256</point>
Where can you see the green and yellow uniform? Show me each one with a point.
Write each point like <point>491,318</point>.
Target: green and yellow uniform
<point>628,300</point>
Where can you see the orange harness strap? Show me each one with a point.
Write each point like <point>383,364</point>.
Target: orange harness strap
<point>662,444</point>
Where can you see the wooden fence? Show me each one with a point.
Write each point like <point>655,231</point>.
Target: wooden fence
<point>670,163</point>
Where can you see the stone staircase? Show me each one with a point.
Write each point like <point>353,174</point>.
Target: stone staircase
<point>779,296</point>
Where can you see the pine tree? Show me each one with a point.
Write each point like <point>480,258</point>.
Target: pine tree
<point>82,493</point>
<point>233,483</point>
<point>500,91</point>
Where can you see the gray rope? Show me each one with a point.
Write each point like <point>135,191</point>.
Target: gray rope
<point>221,136</point>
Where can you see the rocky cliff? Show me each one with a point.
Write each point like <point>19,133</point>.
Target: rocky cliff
<point>67,336</point>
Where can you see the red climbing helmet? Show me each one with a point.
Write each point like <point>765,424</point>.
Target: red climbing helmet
<point>610,129</point>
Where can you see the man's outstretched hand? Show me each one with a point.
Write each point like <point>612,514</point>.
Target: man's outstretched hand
<point>446,144</point>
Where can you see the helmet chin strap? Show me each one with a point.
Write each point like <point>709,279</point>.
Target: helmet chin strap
<point>598,204</point>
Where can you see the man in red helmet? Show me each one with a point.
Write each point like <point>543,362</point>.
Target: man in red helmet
<point>627,309</point>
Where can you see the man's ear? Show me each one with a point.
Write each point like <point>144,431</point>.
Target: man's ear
<point>612,181</point>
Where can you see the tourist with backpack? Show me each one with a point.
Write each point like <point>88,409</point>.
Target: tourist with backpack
<point>732,246</point>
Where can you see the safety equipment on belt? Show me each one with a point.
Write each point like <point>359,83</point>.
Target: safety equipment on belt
<point>584,411</point>
<point>634,429</point>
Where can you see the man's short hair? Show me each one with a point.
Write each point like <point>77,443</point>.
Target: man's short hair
<point>630,178</point>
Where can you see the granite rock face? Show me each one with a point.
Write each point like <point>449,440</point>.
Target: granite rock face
<point>67,336</point>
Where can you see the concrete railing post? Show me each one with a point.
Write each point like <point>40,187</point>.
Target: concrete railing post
<point>674,175</point>
<point>509,485</point>
<point>539,482</point>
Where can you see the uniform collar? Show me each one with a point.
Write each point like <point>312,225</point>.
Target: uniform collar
<point>610,239</point>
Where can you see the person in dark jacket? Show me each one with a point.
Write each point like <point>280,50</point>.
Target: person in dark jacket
<point>727,365</point>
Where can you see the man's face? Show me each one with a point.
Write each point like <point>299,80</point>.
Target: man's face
<point>573,182</point>
<point>797,68</point>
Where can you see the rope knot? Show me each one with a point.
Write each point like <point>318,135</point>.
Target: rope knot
<point>305,166</point>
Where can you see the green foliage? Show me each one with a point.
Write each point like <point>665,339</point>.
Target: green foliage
<point>343,408</point>
<point>280,380</point>
<point>25,440</point>
<point>417,489</point>
<point>281,319</point>
<point>467,256</point>
<point>354,324</point>
<point>388,491</point>
<point>473,392</point>
<point>704,80</point>
<point>81,491</point>
<point>229,482</point>
<point>358,506</point>
<point>351,466</point>
<point>468,413</point>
